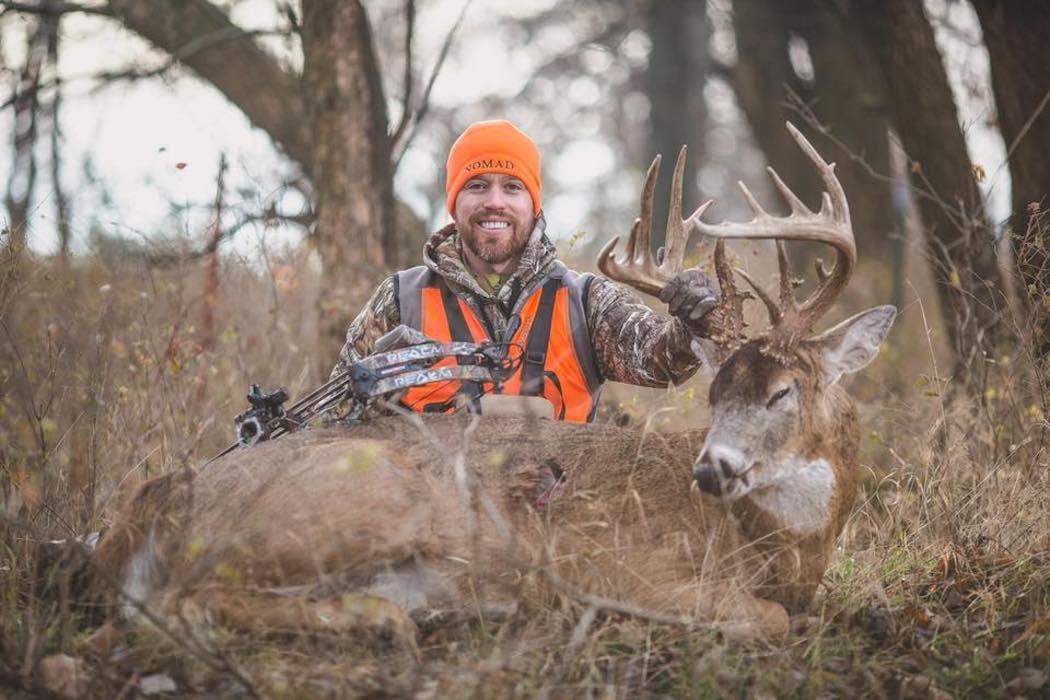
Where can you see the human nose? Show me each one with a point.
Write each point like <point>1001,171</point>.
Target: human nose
<point>494,198</point>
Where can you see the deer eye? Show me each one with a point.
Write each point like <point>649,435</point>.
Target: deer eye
<point>777,396</point>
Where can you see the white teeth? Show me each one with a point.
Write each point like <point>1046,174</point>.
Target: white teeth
<point>493,225</point>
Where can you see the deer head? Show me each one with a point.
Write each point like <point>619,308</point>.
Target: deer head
<point>782,432</point>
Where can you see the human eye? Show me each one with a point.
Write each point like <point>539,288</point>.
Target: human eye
<point>514,186</point>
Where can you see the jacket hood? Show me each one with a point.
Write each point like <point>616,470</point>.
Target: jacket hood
<point>443,254</point>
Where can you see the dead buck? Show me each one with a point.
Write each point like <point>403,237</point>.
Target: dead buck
<point>346,529</point>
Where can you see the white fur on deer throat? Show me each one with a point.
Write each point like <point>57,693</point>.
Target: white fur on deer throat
<point>798,494</point>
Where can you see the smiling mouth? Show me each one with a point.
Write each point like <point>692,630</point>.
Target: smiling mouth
<point>494,225</point>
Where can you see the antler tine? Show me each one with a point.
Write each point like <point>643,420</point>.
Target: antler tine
<point>640,243</point>
<point>727,328</point>
<point>822,274</point>
<point>775,314</point>
<point>638,268</point>
<point>677,232</point>
<point>827,174</point>
<point>756,208</point>
<point>834,206</point>
<point>796,204</point>
<point>787,276</point>
<point>831,225</point>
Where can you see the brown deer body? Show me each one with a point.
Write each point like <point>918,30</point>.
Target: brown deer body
<point>357,527</point>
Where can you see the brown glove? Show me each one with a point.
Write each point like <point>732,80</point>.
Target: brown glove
<point>690,296</point>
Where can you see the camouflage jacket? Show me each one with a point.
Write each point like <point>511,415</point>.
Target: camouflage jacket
<point>631,342</point>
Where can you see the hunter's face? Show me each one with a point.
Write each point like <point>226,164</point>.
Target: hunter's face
<point>494,218</point>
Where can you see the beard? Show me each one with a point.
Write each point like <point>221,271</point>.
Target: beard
<point>494,248</point>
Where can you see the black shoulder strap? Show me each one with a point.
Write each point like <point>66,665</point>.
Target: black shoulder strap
<point>457,326</point>
<point>539,338</point>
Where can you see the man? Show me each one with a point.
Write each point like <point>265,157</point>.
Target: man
<point>492,274</point>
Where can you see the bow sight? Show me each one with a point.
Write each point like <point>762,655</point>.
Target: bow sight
<point>254,425</point>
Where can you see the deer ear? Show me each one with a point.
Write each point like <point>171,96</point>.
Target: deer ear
<point>852,345</point>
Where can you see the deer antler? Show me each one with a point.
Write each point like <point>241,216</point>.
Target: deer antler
<point>638,268</point>
<point>791,320</point>
<point>727,318</point>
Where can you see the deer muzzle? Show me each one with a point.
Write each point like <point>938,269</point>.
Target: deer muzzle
<point>721,469</point>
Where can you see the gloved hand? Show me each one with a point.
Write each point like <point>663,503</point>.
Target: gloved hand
<point>400,336</point>
<point>690,296</point>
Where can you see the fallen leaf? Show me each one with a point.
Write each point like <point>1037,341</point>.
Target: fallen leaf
<point>918,616</point>
<point>156,684</point>
<point>1028,679</point>
<point>63,675</point>
<point>1040,626</point>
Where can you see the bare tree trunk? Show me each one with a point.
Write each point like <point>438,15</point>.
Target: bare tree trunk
<point>58,193</point>
<point>679,31</point>
<point>211,272</point>
<point>351,158</point>
<point>201,36</point>
<point>1015,34</point>
<point>332,121</point>
<point>850,99</point>
<point>22,177</point>
<point>844,95</point>
<point>762,78</point>
<point>959,239</point>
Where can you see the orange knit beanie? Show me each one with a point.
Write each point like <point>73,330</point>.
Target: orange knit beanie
<point>495,146</point>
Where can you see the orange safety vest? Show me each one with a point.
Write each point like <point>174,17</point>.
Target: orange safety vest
<point>556,359</point>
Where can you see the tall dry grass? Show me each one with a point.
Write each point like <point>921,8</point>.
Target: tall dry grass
<point>941,584</point>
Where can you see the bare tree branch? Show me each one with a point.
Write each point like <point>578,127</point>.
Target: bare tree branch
<point>135,74</point>
<point>22,176</point>
<point>406,99</point>
<point>52,8</point>
<point>252,79</point>
<point>425,99</point>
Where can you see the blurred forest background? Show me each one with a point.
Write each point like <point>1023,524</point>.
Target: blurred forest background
<point>351,108</point>
<point>199,194</point>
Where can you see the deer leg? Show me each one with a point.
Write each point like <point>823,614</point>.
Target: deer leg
<point>756,617</point>
<point>738,614</point>
<point>351,613</point>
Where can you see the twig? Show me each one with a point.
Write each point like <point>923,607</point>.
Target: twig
<point>201,43</point>
<point>795,103</point>
<point>52,8</point>
<point>579,636</point>
<point>197,649</point>
<point>1022,133</point>
<point>424,102</point>
<point>406,97</point>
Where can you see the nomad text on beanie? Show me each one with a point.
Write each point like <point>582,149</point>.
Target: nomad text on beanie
<point>495,146</point>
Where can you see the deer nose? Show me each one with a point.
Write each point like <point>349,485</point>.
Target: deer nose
<point>716,466</point>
